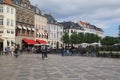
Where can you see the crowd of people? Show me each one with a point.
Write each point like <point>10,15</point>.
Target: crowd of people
<point>13,51</point>
<point>44,50</point>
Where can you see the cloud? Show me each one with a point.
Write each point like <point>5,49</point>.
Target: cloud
<point>102,13</point>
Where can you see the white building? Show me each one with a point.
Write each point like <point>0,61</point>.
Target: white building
<point>88,28</point>
<point>7,25</point>
<point>55,32</point>
<point>71,27</point>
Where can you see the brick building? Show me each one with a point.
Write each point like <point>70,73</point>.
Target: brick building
<point>24,22</point>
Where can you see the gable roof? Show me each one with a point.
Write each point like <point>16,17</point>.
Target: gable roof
<point>71,25</point>
<point>50,18</point>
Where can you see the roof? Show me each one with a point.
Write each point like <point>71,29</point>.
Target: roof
<point>83,24</point>
<point>71,25</point>
<point>50,18</point>
<point>90,26</point>
<point>8,2</point>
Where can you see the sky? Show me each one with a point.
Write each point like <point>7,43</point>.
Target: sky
<point>104,14</point>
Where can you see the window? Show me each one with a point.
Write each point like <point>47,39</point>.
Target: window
<point>23,31</point>
<point>28,32</point>
<point>11,11</point>
<point>19,31</point>
<point>12,32</point>
<point>8,22</point>
<point>60,33</point>
<point>17,1</point>
<point>1,21</point>
<point>8,43</point>
<point>8,31</point>
<point>71,31</point>
<point>54,27</point>
<point>1,31</point>
<point>8,9</point>
<point>25,4</point>
<point>12,43</point>
<point>1,9</point>
<point>11,22</point>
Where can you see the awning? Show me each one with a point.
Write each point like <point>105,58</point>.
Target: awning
<point>37,33</point>
<point>19,27</point>
<point>45,34</point>
<point>29,28</point>
<point>41,41</point>
<point>33,29</point>
<point>24,27</point>
<point>29,41</point>
<point>40,33</point>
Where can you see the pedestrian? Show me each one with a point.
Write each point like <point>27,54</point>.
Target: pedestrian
<point>12,51</point>
<point>16,51</point>
<point>62,51</point>
<point>6,51</point>
<point>44,52</point>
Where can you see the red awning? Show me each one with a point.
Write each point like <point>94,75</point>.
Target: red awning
<point>41,41</point>
<point>29,41</point>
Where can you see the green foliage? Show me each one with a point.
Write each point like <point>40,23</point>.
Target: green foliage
<point>66,38</point>
<point>109,41</point>
<point>74,38</point>
<point>80,38</point>
<point>91,38</point>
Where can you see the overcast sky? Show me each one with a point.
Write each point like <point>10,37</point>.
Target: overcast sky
<point>102,13</point>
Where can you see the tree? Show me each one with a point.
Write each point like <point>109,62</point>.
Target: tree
<point>108,41</point>
<point>81,38</point>
<point>66,39</point>
<point>74,38</point>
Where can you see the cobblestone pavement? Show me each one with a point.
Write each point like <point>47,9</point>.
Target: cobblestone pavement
<point>32,67</point>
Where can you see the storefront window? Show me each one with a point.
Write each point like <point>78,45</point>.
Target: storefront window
<point>23,31</point>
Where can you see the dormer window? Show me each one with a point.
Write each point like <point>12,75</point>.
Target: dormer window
<point>17,1</point>
<point>25,5</point>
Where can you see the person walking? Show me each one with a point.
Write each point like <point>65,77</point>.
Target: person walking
<point>12,51</point>
<point>62,51</point>
<point>16,51</point>
<point>6,51</point>
<point>44,52</point>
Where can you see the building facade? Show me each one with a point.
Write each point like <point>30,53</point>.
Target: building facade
<point>55,32</point>
<point>89,28</point>
<point>70,27</point>
<point>7,24</point>
<point>24,21</point>
<point>41,34</point>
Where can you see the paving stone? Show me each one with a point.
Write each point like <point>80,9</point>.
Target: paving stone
<point>32,67</point>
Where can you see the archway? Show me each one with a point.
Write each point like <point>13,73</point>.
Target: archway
<point>57,45</point>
